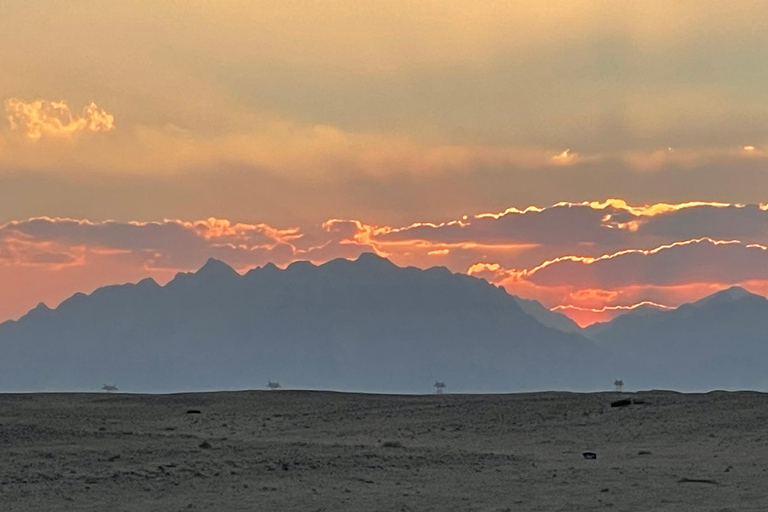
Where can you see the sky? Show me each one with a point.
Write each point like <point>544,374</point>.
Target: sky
<point>591,154</point>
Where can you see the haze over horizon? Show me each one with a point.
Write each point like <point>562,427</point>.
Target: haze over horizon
<point>141,138</point>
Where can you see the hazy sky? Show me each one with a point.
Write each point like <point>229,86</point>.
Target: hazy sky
<point>280,116</point>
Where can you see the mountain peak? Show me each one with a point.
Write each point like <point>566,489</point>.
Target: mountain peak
<point>371,258</point>
<point>215,268</point>
<point>735,293</point>
<point>42,307</point>
<point>147,282</point>
<point>365,262</point>
<point>300,265</point>
<point>731,294</point>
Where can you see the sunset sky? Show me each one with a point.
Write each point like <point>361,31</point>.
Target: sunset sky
<point>591,154</point>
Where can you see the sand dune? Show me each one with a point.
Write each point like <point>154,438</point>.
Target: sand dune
<point>292,450</point>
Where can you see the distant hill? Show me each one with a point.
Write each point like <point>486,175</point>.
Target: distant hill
<point>362,325</point>
<point>549,318</point>
<point>720,341</point>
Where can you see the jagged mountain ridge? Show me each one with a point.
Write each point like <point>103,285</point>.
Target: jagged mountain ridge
<point>351,325</point>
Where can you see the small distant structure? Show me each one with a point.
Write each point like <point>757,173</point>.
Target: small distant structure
<point>439,387</point>
<point>618,384</point>
<point>109,388</point>
<point>273,385</point>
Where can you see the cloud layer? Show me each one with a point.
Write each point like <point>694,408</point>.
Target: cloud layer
<point>590,260</point>
<point>390,113</point>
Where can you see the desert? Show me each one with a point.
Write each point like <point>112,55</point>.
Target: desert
<point>310,450</point>
<point>383,255</point>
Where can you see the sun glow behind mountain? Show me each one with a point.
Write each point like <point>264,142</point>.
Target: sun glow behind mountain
<point>581,259</point>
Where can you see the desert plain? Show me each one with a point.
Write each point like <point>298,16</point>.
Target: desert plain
<point>324,451</point>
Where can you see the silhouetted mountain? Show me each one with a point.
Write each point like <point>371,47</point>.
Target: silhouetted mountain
<point>720,342</point>
<point>592,331</point>
<point>215,269</point>
<point>734,293</point>
<point>545,316</point>
<point>349,325</point>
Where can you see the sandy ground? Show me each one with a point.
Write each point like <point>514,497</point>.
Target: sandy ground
<point>313,451</point>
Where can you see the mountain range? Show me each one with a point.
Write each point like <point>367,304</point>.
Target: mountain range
<point>718,342</point>
<point>364,325</point>
<point>368,325</point>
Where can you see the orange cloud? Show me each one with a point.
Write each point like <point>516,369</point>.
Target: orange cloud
<point>589,260</point>
<point>594,296</point>
<point>586,316</point>
<point>667,263</point>
<point>569,256</point>
<point>603,309</point>
<point>20,250</point>
<point>44,118</point>
<point>595,227</point>
<point>651,209</point>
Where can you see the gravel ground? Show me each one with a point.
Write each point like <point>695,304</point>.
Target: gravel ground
<point>314,451</point>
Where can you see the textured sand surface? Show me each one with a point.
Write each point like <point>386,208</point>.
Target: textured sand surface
<point>314,451</point>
